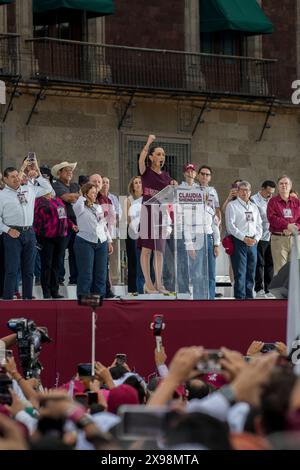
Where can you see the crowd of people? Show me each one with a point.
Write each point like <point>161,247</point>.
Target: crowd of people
<point>218,400</point>
<point>44,212</point>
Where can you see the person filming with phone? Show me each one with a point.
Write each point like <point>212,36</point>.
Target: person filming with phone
<point>16,220</point>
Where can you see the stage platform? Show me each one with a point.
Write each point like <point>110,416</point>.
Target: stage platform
<point>124,327</point>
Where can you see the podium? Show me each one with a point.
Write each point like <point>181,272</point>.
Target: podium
<point>178,227</point>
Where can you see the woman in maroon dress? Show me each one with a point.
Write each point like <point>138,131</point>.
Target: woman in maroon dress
<point>153,181</point>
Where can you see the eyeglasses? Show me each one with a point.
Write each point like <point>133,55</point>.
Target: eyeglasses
<point>205,174</point>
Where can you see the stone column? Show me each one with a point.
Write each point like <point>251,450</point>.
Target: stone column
<point>254,43</point>
<point>3,19</point>
<point>192,25</point>
<point>24,22</point>
<point>96,30</point>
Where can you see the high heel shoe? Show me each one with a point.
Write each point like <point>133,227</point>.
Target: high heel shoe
<point>163,290</point>
<point>150,291</point>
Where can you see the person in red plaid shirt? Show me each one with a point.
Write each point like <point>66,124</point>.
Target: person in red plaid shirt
<point>51,227</point>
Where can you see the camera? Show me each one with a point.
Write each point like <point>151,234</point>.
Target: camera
<point>210,362</point>
<point>29,341</point>
<point>140,421</point>
<point>84,370</point>
<point>157,325</point>
<point>121,359</point>
<point>268,347</point>
<point>90,300</point>
<point>92,398</point>
<point>31,157</point>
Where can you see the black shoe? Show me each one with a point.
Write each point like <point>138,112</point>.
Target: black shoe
<point>109,295</point>
<point>57,296</point>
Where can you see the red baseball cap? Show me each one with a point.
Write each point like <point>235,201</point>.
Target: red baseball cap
<point>189,166</point>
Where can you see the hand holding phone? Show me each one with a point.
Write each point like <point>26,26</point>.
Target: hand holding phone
<point>158,326</point>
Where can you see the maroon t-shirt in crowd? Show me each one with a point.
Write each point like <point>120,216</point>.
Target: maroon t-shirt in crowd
<point>281,213</point>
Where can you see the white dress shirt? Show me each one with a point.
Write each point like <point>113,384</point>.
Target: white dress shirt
<point>17,205</point>
<point>243,220</point>
<point>184,184</point>
<point>262,204</point>
<point>200,220</point>
<point>212,196</point>
<point>91,222</point>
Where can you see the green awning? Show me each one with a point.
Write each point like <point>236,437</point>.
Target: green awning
<point>235,15</point>
<point>102,7</point>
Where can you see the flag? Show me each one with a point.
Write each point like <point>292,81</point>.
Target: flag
<point>293,317</point>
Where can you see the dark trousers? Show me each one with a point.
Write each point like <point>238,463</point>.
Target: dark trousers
<point>2,267</point>
<point>136,278</point>
<point>92,259</point>
<point>131,264</point>
<point>19,252</point>
<point>264,267</point>
<point>69,244</point>
<point>243,263</point>
<point>51,254</point>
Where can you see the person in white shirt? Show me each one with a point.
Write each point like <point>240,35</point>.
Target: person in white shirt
<point>189,174</point>
<point>202,240</point>
<point>204,178</point>
<point>244,223</point>
<point>265,266</point>
<point>92,243</point>
<point>16,219</point>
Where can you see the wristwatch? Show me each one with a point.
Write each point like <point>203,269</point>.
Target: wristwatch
<point>229,394</point>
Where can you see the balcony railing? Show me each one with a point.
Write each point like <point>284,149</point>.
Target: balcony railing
<point>151,69</point>
<point>9,55</point>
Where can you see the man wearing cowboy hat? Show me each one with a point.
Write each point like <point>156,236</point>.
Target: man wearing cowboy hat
<point>69,193</point>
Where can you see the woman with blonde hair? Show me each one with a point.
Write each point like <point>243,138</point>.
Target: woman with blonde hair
<point>92,243</point>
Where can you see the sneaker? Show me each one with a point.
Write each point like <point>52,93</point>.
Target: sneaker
<point>260,294</point>
<point>17,296</point>
<point>57,296</point>
<point>269,295</point>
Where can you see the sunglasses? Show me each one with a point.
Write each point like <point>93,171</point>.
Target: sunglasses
<point>205,174</point>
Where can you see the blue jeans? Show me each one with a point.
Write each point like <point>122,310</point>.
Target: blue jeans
<point>203,271</point>
<point>92,259</point>
<point>243,262</point>
<point>19,253</point>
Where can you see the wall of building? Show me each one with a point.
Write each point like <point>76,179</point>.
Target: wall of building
<point>154,24</point>
<point>282,44</point>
